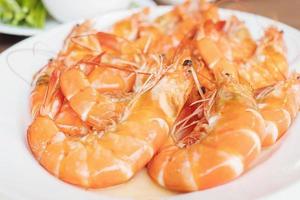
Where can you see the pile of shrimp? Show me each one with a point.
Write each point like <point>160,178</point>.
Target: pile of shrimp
<point>192,97</point>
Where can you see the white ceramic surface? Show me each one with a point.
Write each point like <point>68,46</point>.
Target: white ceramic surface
<point>173,2</point>
<point>69,10</point>
<point>170,2</point>
<point>51,23</point>
<point>22,178</point>
<point>27,31</point>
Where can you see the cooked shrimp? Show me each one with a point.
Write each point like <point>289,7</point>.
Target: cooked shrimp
<point>96,108</point>
<point>167,31</point>
<point>108,79</point>
<point>93,106</point>
<point>279,106</point>
<point>114,69</point>
<point>46,93</point>
<point>230,142</point>
<point>173,93</point>
<point>80,44</point>
<point>45,98</point>
<point>269,64</point>
<point>215,59</point>
<point>237,37</point>
<point>129,27</point>
<point>113,157</point>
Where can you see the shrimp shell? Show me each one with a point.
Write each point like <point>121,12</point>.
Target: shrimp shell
<point>233,140</point>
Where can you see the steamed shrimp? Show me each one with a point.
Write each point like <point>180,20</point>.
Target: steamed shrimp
<point>166,31</point>
<point>268,65</point>
<point>279,106</point>
<point>215,59</point>
<point>98,109</point>
<point>238,38</point>
<point>129,27</point>
<point>228,146</point>
<point>113,157</point>
<point>46,90</point>
<point>262,65</point>
<point>46,99</point>
<point>79,45</point>
<point>81,57</point>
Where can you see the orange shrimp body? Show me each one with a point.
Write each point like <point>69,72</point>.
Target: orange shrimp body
<point>239,40</point>
<point>45,98</point>
<point>113,157</point>
<point>48,100</point>
<point>269,64</point>
<point>69,122</point>
<point>279,108</point>
<point>129,27</point>
<point>232,140</point>
<point>96,108</point>
<point>110,80</point>
<point>215,59</point>
<point>37,98</point>
<point>81,44</point>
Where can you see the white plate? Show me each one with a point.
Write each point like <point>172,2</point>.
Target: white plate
<point>21,177</point>
<point>51,23</point>
<point>27,31</point>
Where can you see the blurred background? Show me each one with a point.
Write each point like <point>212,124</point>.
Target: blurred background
<point>22,18</point>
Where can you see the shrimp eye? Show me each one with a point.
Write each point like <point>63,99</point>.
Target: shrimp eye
<point>203,89</point>
<point>298,77</point>
<point>162,55</point>
<point>227,74</point>
<point>187,63</point>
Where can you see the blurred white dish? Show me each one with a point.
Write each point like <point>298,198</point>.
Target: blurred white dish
<point>22,178</point>
<point>170,2</point>
<point>27,31</point>
<point>174,2</point>
<point>68,10</point>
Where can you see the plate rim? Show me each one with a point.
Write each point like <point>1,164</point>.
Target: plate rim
<point>130,11</point>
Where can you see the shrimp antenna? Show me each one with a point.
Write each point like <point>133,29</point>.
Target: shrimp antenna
<point>265,91</point>
<point>210,103</point>
<point>151,81</point>
<point>147,45</point>
<point>46,53</point>
<point>126,62</point>
<point>197,82</point>
<point>273,39</point>
<point>75,40</point>
<point>181,125</point>
<point>108,65</point>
